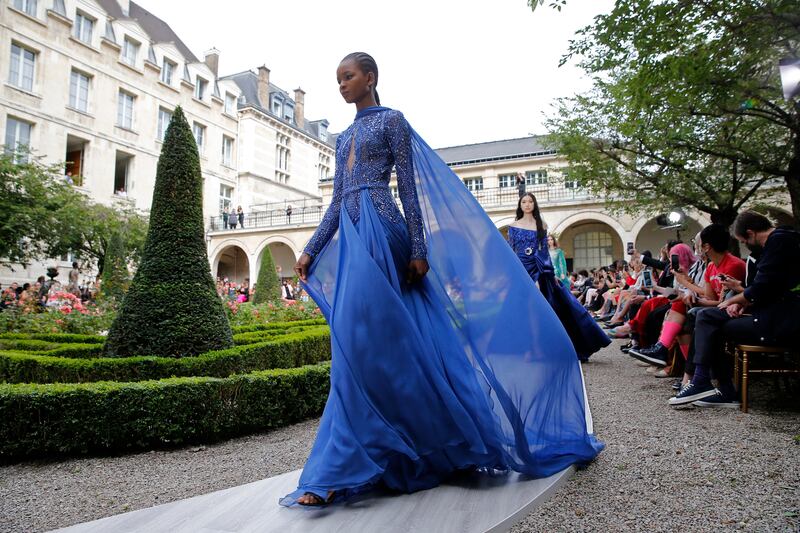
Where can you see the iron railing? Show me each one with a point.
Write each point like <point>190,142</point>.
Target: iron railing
<point>311,211</point>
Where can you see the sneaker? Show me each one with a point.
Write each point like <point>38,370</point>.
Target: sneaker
<point>677,385</point>
<point>718,400</point>
<point>625,347</point>
<point>655,354</point>
<point>692,392</point>
<point>661,374</point>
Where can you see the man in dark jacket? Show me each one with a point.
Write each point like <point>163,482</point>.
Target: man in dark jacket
<point>772,304</point>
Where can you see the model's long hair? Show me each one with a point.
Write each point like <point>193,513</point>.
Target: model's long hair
<point>536,215</point>
<point>367,64</point>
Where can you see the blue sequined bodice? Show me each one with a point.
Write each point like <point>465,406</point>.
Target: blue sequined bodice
<point>381,139</point>
<point>522,240</point>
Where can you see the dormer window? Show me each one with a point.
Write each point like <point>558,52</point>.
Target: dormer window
<point>230,104</point>
<point>276,107</point>
<point>323,132</point>
<point>200,87</point>
<point>83,28</point>
<point>167,71</point>
<point>130,51</point>
<point>26,6</point>
<point>288,113</point>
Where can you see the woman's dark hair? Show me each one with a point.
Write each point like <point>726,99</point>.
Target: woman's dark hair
<point>536,215</point>
<point>750,221</point>
<point>555,241</point>
<point>367,64</point>
<point>583,273</point>
<point>716,236</point>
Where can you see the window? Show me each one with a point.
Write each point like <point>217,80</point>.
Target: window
<point>227,150</point>
<point>164,117</point>
<point>323,133</point>
<point>536,177</point>
<point>167,71</point>
<point>26,6</point>
<point>200,88</point>
<point>83,27</point>
<point>276,107</point>
<point>570,183</point>
<point>225,196</point>
<point>474,184</point>
<point>18,138</point>
<point>125,110</point>
<point>122,168</point>
<point>324,166</point>
<point>508,181</point>
<point>230,104</point>
<point>592,249</point>
<point>282,158</point>
<point>130,50</point>
<point>199,132</point>
<point>288,113</point>
<point>79,91</point>
<point>20,74</point>
<point>395,194</point>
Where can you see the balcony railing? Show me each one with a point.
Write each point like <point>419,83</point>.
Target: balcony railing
<point>311,211</point>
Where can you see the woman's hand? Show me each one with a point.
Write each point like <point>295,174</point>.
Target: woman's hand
<point>301,267</point>
<point>417,269</point>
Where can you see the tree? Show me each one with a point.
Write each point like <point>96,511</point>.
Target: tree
<point>686,107</point>
<point>88,229</point>
<point>116,277</point>
<point>268,286</point>
<point>34,201</point>
<point>171,307</point>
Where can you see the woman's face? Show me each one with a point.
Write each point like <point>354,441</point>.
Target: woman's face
<point>526,204</point>
<point>551,242</point>
<point>353,83</point>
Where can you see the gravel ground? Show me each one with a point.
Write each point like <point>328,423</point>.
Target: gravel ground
<point>663,469</point>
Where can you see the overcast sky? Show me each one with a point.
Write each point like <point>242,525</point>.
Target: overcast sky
<point>462,71</point>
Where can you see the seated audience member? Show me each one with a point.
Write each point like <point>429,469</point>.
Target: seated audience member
<point>714,240</point>
<point>764,313</point>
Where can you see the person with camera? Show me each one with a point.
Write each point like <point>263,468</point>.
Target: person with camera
<point>763,313</point>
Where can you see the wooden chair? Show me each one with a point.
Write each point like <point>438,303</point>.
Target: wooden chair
<point>777,360</point>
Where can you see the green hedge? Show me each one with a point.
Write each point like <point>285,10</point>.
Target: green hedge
<point>40,420</point>
<point>56,337</point>
<point>279,325</point>
<point>288,351</point>
<point>26,345</point>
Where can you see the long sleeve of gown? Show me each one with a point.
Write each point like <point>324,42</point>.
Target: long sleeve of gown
<point>399,136</point>
<point>330,221</point>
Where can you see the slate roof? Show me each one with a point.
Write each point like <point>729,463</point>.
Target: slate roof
<point>158,30</point>
<point>494,150</point>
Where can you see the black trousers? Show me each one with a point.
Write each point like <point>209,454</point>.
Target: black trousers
<point>712,328</point>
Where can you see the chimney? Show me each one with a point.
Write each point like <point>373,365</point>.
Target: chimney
<point>125,5</point>
<point>263,86</point>
<point>299,107</point>
<point>211,58</point>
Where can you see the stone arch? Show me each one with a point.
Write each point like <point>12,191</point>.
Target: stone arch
<point>590,239</point>
<point>284,253</point>
<point>231,262</point>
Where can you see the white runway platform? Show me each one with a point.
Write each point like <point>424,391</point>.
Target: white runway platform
<point>469,504</point>
<point>475,503</point>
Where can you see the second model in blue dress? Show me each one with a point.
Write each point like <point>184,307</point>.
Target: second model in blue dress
<point>425,379</point>
<point>532,250</point>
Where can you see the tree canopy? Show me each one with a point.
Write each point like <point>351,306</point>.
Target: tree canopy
<point>686,107</point>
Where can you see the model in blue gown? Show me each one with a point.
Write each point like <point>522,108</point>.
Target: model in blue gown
<point>467,369</point>
<point>531,248</point>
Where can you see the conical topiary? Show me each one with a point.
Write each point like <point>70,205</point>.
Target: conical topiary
<point>116,278</point>
<point>268,286</point>
<point>172,307</point>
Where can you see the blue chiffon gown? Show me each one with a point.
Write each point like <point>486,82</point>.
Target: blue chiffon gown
<point>467,369</point>
<point>586,335</point>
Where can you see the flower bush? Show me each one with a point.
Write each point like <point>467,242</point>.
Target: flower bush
<point>64,313</point>
<point>248,314</point>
